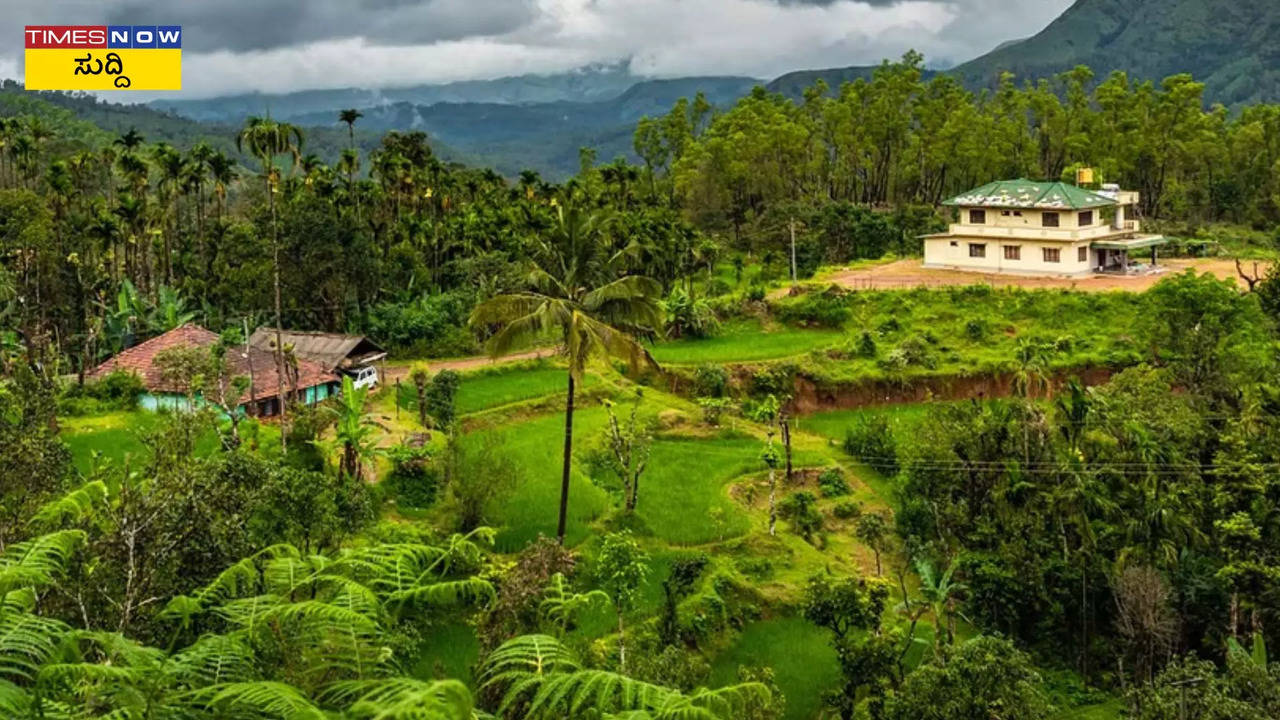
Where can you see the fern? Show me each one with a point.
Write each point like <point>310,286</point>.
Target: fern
<point>262,698</point>
<point>73,507</point>
<point>36,562</point>
<point>403,698</point>
<point>27,642</point>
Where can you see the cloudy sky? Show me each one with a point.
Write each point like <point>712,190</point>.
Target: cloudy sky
<point>234,46</point>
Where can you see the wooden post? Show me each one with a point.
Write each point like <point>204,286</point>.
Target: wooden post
<point>397,398</point>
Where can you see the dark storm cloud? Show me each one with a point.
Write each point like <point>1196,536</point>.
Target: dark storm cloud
<point>242,25</point>
<point>389,43</point>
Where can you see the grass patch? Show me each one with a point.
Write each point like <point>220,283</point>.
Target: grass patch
<point>745,341</point>
<point>965,331</point>
<point>803,662</point>
<point>903,419</point>
<point>536,449</point>
<point>448,650</point>
<point>489,389</point>
<point>118,435</point>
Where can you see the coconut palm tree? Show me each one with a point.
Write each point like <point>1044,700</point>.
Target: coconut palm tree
<point>265,139</point>
<point>578,298</point>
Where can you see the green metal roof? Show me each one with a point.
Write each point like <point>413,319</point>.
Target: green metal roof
<point>1030,195</point>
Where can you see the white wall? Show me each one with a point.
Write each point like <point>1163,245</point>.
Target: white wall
<point>954,253</point>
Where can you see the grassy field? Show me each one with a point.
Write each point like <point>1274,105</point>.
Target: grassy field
<point>487,389</point>
<point>745,341</point>
<point>803,662</point>
<point>118,435</point>
<point>833,423</point>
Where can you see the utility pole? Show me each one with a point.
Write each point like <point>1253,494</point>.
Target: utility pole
<point>793,251</point>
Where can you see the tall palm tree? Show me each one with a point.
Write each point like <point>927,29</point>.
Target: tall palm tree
<point>350,116</point>
<point>577,297</point>
<point>265,139</point>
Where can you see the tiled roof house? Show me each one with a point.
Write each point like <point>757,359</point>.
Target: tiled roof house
<point>314,382</point>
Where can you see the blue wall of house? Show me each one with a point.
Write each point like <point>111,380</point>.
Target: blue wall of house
<point>172,401</point>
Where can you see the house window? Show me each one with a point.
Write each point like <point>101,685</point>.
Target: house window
<point>1086,218</point>
<point>1052,255</point>
<point>1012,252</point>
<point>1017,213</point>
<point>1082,254</point>
<point>977,250</point>
<point>1004,213</point>
<point>1050,219</point>
<point>955,244</point>
<point>977,217</point>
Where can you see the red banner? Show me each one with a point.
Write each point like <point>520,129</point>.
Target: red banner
<point>38,37</point>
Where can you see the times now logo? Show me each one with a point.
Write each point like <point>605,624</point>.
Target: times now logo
<point>39,37</point>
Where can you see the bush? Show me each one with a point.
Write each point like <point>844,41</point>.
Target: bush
<point>431,326</point>
<point>914,351</point>
<point>713,409</point>
<point>756,293</point>
<point>866,346</point>
<point>975,329</point>
<point>870,440</point>
<point>832,483</point>
<point>710,381</point>
<point>825,309</point>
<point>689,317</point>
<point>846,509</point>
<point>800,509</point>
<point>440,397</point>
<point>413,481</point>
<point>119,390</point>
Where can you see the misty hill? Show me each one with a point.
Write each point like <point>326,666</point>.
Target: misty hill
<point>89,121</point>
<point>587,84</point>
<point>545,136</point>
<point>1229,46</point>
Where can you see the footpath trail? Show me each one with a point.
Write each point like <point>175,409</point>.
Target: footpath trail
<point>401,371</point>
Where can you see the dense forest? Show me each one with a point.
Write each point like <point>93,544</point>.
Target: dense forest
<point>1066,544</point>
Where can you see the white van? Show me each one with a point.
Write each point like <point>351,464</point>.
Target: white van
<point>365,377</point>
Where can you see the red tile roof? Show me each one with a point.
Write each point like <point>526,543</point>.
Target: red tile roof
<point>140,360</point>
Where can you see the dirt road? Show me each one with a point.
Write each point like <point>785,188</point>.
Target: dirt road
<point>908,274</point>
<point>401,371</point>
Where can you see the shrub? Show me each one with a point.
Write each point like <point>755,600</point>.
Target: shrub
<point>413,481</point>
<point>800,509</point>
<point>441,395</point>
<point>756,293</point>
<point>825,309</point>
<point>870,440</point>
<point>975,329</point>
<point>866,346</point>
<point>846,509</point>
<point>432,325</point>
<point>118,390</point>
<point>687,317</point>
<point>713,409</point>
<point>914,351</point>
<point>832,483</point>
<point>710,381</point>
<point>775,381</point>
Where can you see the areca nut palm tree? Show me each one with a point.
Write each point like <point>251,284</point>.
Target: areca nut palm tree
<point>578,296</point>
<point>265,139</point>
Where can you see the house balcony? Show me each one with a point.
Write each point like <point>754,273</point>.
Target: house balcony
<point>1065,235</point>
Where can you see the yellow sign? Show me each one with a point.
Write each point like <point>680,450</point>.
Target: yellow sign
<point>103,57</point>
<point>102,69</point>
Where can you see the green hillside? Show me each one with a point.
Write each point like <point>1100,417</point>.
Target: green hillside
<point>1230,46</point>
